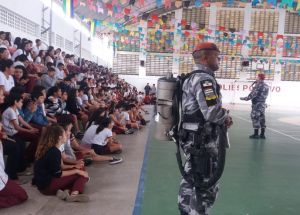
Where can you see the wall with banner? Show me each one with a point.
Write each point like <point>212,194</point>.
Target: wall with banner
<point>282,93</point>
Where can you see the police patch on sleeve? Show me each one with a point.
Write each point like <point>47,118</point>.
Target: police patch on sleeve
<point>210,95</point>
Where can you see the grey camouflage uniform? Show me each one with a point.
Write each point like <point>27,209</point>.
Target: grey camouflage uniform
<point>197,96</point>
<point>258,97</point>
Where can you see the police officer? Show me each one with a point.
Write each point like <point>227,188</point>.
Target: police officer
<point>201,104</point>
<point>258,98</point>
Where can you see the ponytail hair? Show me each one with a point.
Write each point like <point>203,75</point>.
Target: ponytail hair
<point>105,121</point>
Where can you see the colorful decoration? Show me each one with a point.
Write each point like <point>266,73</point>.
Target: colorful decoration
<point>68,8</point>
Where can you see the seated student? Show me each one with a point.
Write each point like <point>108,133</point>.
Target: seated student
<point>118,128</point>
<point>49,176</point>
<point>16,127</point>
<point>10,192</point>
<point>126,113</point>
<point>73,108</point>
<point>52,104</point>
<point>82,153</point>
<point>49,80</point>
<point>6,78</point>
<point>100,137</point>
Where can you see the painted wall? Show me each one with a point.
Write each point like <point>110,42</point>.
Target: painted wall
<point>283,93</point>
<point>32,10</point>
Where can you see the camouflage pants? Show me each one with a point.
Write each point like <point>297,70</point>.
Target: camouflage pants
<point>187,201</point>
<point>258,115</point>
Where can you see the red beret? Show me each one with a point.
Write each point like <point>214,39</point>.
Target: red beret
<point>261,76</point>
<point>206,46</point>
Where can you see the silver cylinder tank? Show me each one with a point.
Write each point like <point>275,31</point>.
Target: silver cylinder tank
<point>164,118</point>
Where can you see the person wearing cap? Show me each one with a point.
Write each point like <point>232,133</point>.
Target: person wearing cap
<point>201,106</point>
<point>258,97</point>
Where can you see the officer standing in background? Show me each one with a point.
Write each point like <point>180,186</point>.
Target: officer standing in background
<point>201,106</point>
<point>258,97</point>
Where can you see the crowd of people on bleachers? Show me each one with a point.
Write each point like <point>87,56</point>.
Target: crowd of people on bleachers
<point>58,115</point>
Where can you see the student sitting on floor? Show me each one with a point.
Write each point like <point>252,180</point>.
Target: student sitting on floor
<point>10,192</point>
<point>49,177</point>
<point>100,137</point>
<point>82,153</point>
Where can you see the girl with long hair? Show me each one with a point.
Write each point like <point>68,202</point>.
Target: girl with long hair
<point>49,176</point>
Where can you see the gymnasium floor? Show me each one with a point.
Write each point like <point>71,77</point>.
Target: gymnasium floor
<point>261,177</point>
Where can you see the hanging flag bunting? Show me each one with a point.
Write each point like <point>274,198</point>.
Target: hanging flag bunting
<point>75,3</point>
<point>141,3</point>
<point>288,3</point>
<point>158,3</point>
<point>68,8</point>
<point>298,6</point>
<point>198,3</point>
<point>178,4</point>
<point>127,11</point>
<point>168,4</point>
<point>93,27</point>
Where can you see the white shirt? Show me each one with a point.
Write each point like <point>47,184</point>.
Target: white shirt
<point>9,115</point>
<point>126,117</point>
<point>89,134</point>
<point>8,83</point>
<point>3,176</point>
<point>59,74</point>
<point>101,137</point>
<point>36,50</point>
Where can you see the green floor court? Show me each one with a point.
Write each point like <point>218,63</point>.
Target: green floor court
<point>261,177</point>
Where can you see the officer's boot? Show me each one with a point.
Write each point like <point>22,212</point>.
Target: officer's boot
<point>262,133</point>
<point>183,212</point>
<point>255,135</point>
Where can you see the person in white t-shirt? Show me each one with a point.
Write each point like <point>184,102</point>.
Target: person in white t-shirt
<point>6,79</point>
<point>59,72</point>
<point>10,192</point>
<point>101,137</point>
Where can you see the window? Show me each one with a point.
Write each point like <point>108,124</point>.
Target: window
<point>68,45</point>
<point>186,64</point>
<point>291,47</point>
<point>160,41</point>
<point>158,65</point>
<point>188,44</point>
<point>199,16</point>
<point>229,68</point>
<point>292,23</point>
<point>228,44</point>
<point>165,21</point>
<point>290,72</point>
<point>126,63</point>
<point>230,19</point>
<point>264,21</point>
<point>263,44</point>
<point>18,22</point>
<point>59,41</point>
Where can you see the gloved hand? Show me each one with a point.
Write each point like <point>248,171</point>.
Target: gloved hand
<point>228,121</point>
<point>243,98</point>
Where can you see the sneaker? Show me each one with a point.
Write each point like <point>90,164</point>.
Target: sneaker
<point>62,194</point>
<point>77,198</point>
<point>87,161</point>
<point>117,152</point>
<point>254,136</point>
<point>262,136</point>
<point>129,131</point>
<point>115,160</point>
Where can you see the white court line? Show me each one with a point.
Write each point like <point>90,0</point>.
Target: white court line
<point>271,129</point>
